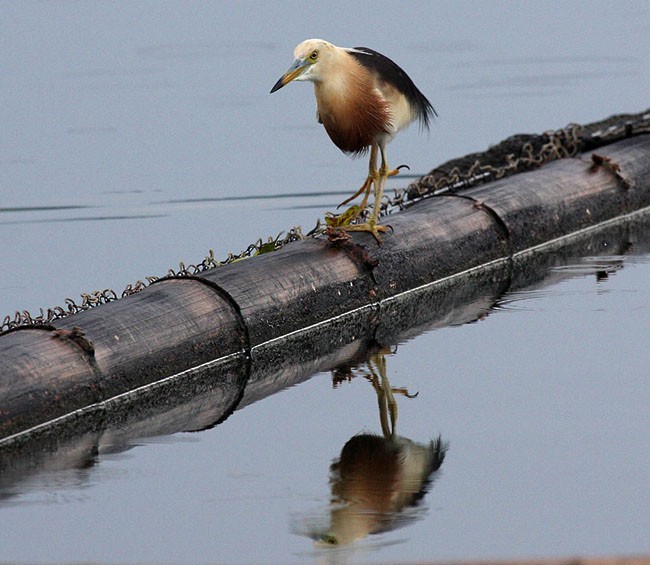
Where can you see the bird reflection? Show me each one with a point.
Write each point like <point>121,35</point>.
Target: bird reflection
<point>378,481</point>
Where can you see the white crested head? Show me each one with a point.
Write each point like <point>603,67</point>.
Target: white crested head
<point>315,54</point>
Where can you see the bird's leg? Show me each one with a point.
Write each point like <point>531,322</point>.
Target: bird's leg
<point>387,401</point>
<point>384,173</point>
<point>371,225</point>
<point>365,187</point>
<point>378,378</point>
<point>379,190</point>
<point>373,176</point>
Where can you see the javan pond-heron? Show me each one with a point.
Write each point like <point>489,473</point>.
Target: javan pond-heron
<point>363,99</point>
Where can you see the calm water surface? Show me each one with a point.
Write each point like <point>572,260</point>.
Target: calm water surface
<point>139,134</point>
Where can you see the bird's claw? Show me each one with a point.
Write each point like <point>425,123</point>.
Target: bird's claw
<point>396,170</point>
<point>404,392</point>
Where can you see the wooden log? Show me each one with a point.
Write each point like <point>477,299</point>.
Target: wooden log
<point>204,396</point>
<point>237,310</point>
<point>174,325</point>
<point>48,374</point>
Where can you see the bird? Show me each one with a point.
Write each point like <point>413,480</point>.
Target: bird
<point>363,99</point>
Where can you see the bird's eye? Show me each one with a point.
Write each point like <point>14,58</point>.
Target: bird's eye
<point>314,55</point>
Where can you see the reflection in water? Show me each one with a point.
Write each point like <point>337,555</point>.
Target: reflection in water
<point>378,481</point>
<point>600,267</point>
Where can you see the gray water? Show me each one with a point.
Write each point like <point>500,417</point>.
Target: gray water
<point>136,135</point>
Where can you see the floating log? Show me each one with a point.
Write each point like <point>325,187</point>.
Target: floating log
<point>232,315</point>
<point>204,396</point>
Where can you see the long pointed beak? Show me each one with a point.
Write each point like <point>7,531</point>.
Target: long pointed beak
<point>295,70</point>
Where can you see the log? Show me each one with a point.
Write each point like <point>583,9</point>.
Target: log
<point>204,396</point>
<point>235,314</point>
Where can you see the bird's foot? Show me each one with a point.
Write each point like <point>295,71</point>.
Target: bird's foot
<point>370,226</point>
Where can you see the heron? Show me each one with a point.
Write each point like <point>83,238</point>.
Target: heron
<point>363,99</point>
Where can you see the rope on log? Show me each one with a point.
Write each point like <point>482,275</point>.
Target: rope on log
<point>525,152</point>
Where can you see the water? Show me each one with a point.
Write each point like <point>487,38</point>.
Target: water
<point>129,132</point>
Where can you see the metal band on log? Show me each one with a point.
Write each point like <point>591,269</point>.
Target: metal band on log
<point>231,314</point>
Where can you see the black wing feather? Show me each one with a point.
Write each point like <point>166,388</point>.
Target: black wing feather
<point>393,74</point>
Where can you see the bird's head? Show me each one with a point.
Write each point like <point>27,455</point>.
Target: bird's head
<point>309,56</point>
